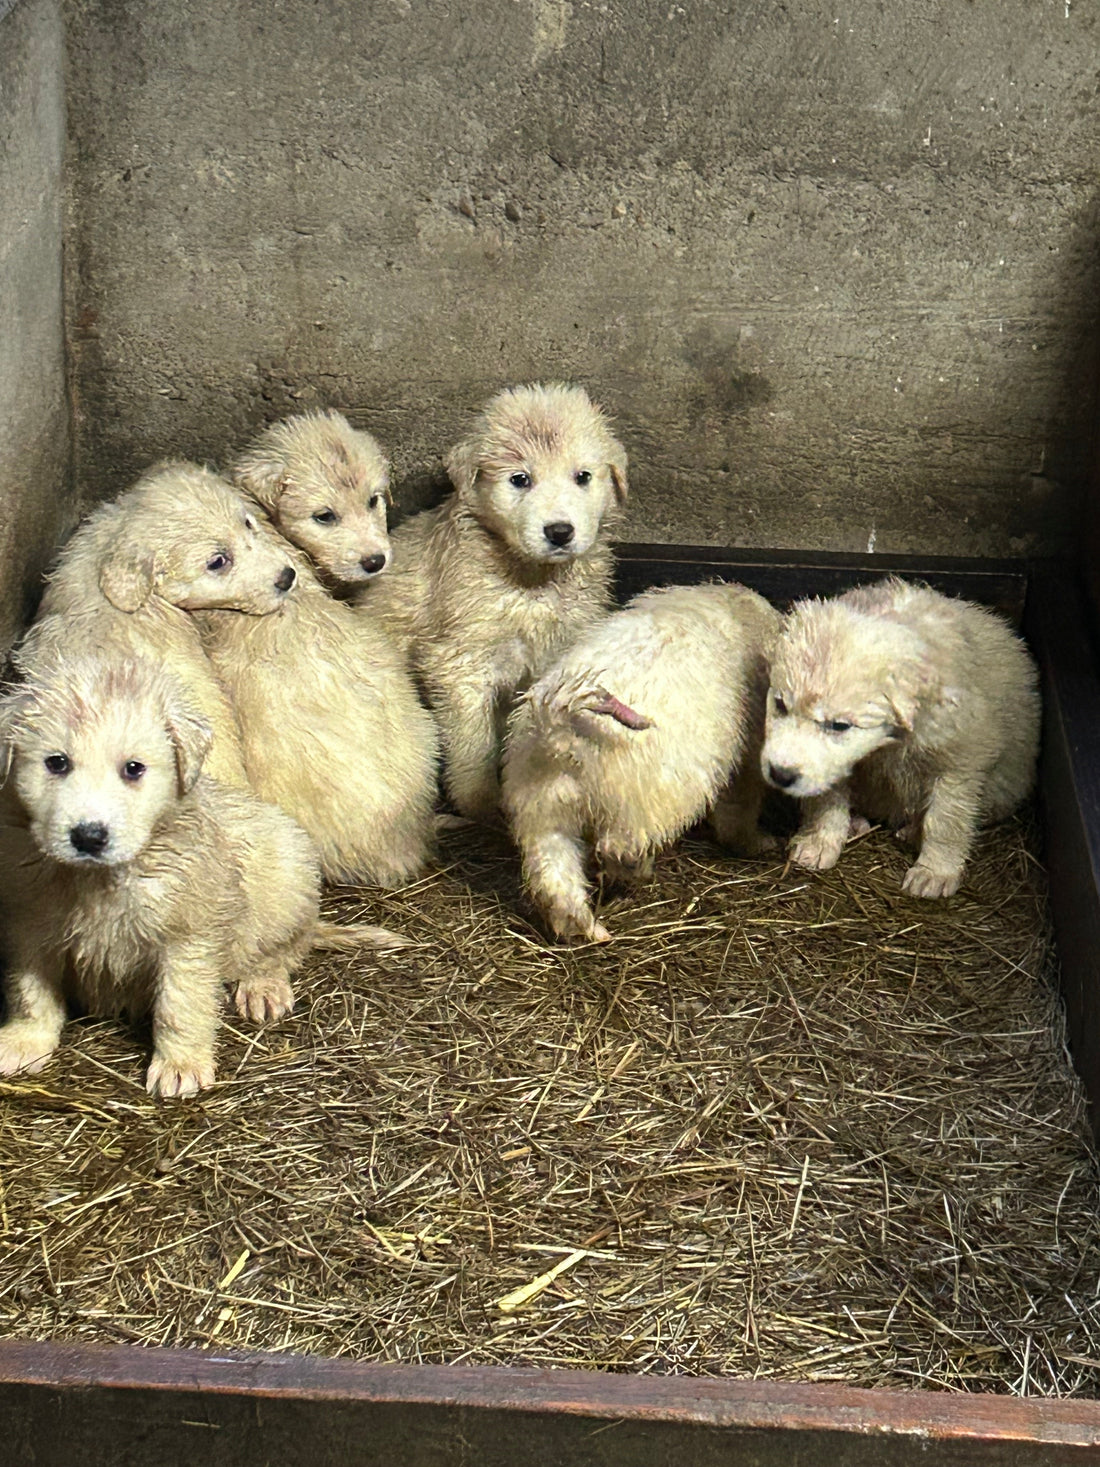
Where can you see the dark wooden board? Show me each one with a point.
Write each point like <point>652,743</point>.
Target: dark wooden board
<point>1059,628</point>
<point>88,1406</point>
<point>786,576</point>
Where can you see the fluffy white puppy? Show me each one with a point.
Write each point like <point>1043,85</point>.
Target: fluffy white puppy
<point>132,881</point>
<point>487,589</point>
<point>629,738</point>
<point>181,539</point>
<point>906,707</point>
<point>326,486</point>
<point>332,728</point>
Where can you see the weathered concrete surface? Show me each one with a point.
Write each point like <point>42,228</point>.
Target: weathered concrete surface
<point>831,266</point>
<point>35,498</point>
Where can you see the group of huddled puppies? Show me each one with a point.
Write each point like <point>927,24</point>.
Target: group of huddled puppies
<point>230,693</point>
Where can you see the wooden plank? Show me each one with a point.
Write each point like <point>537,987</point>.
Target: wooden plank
<point>785,576</point>
<point>62,1405</point>
<point>1058,626</point>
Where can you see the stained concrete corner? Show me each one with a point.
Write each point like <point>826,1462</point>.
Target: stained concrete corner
<point>35,484</point>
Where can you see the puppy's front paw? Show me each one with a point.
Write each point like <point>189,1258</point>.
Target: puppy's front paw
<point>923,881</point>
<point>25,1048</point>
<point>815,851</point>
<point>169,1077</point>
<point>264,997</point>
<point>569,926</point>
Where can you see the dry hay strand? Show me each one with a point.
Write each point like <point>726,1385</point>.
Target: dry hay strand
<point>783,1124</point>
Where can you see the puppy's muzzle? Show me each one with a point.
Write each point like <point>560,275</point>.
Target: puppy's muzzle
<point>286,578</point>
<point>89,838</point>
<point>372,564</point>
<point>782,777</point>
<point>559,533</point>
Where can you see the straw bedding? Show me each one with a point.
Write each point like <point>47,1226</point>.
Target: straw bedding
<point>785,1125</point>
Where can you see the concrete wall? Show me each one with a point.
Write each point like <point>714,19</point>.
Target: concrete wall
<point>832,265</point>
<point>35,498</point>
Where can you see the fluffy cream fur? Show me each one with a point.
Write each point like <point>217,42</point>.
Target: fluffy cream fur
<point>133,881</point>
<point>326,486</point>
<point>903,706</point>
<point>181,539</point>
<point>488,589</point>
<point>631,735</point>
<point>333,730</point>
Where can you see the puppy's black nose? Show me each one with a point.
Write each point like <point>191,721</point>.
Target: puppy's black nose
<point>782,778</point>
<point>90,837</point>
<point>372,564</point>
<point>286,578</point>
<point>559,533</point>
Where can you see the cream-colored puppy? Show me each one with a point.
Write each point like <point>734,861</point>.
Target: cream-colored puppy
<point>898,704</point>
<point>133,881</point>
<point>326,486</point>
<point>332,728</point>
<point>181,539</point>
<point>489,588</point>
<point>631,736</point>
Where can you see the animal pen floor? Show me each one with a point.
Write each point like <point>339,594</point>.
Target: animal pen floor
<point>801,1127</point>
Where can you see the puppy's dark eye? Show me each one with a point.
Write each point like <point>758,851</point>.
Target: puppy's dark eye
<point>837,725</point>
<point>219,561</point>
<point>58,763</point>
<point>132,770</point>
<point>582,477</point>
<point>249,522</point>
<point>780,705</point>
<point>326,516</point>
<point>520,481</point>
<point>372,502</point>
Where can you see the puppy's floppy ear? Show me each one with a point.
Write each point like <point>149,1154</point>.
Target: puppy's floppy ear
<point>261,473</point>
<point>13,705</point>
<point>191,738</point>
<point>617,465</point>
<point>463,464</point>
<point>128,574</point>
<point>911,684</point>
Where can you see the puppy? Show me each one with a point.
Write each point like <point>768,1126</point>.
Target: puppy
<point>132,881</point>
<point>489,588</point>
<point>333,730</point>
<point>905,707</point>
<point>181,539</point>
<point>629,738</point>
<point>326,487</point>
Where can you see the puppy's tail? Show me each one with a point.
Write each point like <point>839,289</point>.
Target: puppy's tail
<point>582,708</point>
<point>349,937</point>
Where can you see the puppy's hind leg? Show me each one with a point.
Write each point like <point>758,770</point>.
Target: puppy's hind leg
<point>547,827</point>
<point>947,834</point>
<point>36,1005</point>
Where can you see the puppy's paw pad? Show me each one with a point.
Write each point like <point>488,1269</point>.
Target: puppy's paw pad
<point>167,1078</point>
<point>24,1050</point>
<point>264,999</point>
<point>922,881</point>
<point>858,826</point>
<point>814,853</point>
